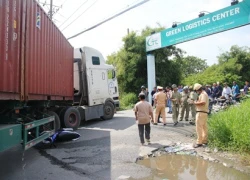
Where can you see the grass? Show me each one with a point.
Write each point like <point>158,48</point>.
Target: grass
<point>127,101</point>
<point>230,129</point>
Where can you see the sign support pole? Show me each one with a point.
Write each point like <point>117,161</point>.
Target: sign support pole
<point>151,74</point>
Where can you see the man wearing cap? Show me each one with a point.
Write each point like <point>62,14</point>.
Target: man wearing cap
<point>175,98</point>
<point>160,104</point>
<point>192,98</point>
<point>184,103</point>
<point>201,116</point>
<point>143,112</point>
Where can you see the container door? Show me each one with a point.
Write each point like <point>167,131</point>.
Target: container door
<point>10,47</point>
<point>48,58</point>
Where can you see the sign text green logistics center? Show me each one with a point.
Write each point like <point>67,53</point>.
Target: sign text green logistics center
<point>218,21</point>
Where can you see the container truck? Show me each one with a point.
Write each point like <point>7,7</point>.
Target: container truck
<point>45,83</point>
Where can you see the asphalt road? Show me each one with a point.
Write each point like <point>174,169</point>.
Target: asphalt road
<point>106,150</point>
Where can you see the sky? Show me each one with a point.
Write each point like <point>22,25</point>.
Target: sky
<point>107,38</point>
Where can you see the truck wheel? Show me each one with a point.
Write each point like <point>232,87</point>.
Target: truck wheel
<point>109,110</point>
<point>72,118</point>
<point>57,120</point>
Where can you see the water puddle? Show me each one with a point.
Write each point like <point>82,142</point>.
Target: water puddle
<point>176,166</point>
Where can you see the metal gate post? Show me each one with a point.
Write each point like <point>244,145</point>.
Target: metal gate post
<point>151,74</point>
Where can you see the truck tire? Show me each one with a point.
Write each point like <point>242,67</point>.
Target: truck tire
<point>72,118</point>
<point>57,120</point>
<point>108,110</point>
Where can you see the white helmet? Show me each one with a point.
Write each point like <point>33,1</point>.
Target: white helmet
<point>197,86</point>
<point>185,88</point>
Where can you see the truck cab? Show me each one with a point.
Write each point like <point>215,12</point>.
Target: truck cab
<point>95,85</point>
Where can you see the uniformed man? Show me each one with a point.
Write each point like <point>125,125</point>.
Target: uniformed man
<point>175,98</point>
<point>192,98</point>
<point>201,116</point>
<point>160,104</point>
<point>184,103</point>
<point>144,90</point>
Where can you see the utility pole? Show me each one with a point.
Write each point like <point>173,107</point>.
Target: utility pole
<point>51,9</point>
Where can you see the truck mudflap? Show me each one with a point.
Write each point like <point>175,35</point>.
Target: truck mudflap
<point>32,134</point>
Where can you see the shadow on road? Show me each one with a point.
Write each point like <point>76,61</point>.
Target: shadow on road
<point>87,158</point>
<point>117,123</point>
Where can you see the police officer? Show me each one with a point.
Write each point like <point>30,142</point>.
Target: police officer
<point>184,103</point>
<point>201,116</point>
<point>160,103</point>
<point>192,98</point>
<point>175,98</point>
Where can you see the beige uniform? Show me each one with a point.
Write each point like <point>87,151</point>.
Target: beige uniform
<point>160,103</point>
<point>175,98</point>
<point>193,97</point>
<point>184,106</point>
<point>201,118</point>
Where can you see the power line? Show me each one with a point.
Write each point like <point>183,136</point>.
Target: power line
<point>61,15</point>
<point>80,15</point>
<point>73,13</point>
<point>110,18</point>
<point>64,2</point>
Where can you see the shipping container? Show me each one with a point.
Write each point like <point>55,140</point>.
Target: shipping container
<point>36,78</point>
<point>10,45</point>
<point>36,60</point>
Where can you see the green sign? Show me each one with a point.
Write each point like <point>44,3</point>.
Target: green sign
<point>218,21</point>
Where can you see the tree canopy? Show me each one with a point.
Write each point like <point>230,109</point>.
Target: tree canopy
<point>232,66</point>
<point>191,65</point>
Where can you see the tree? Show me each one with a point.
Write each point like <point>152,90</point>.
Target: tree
<point>232,66</point>
<point>240,57</point>
<point>191,65</point>
<point>131,62</point>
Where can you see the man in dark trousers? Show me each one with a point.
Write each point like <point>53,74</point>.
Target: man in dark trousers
<point>143,112</point>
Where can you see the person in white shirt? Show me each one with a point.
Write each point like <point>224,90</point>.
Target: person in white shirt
<point>227,92</point>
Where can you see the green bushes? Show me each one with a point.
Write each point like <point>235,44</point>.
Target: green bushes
<point>230,129</point>
<point>128,100</point>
